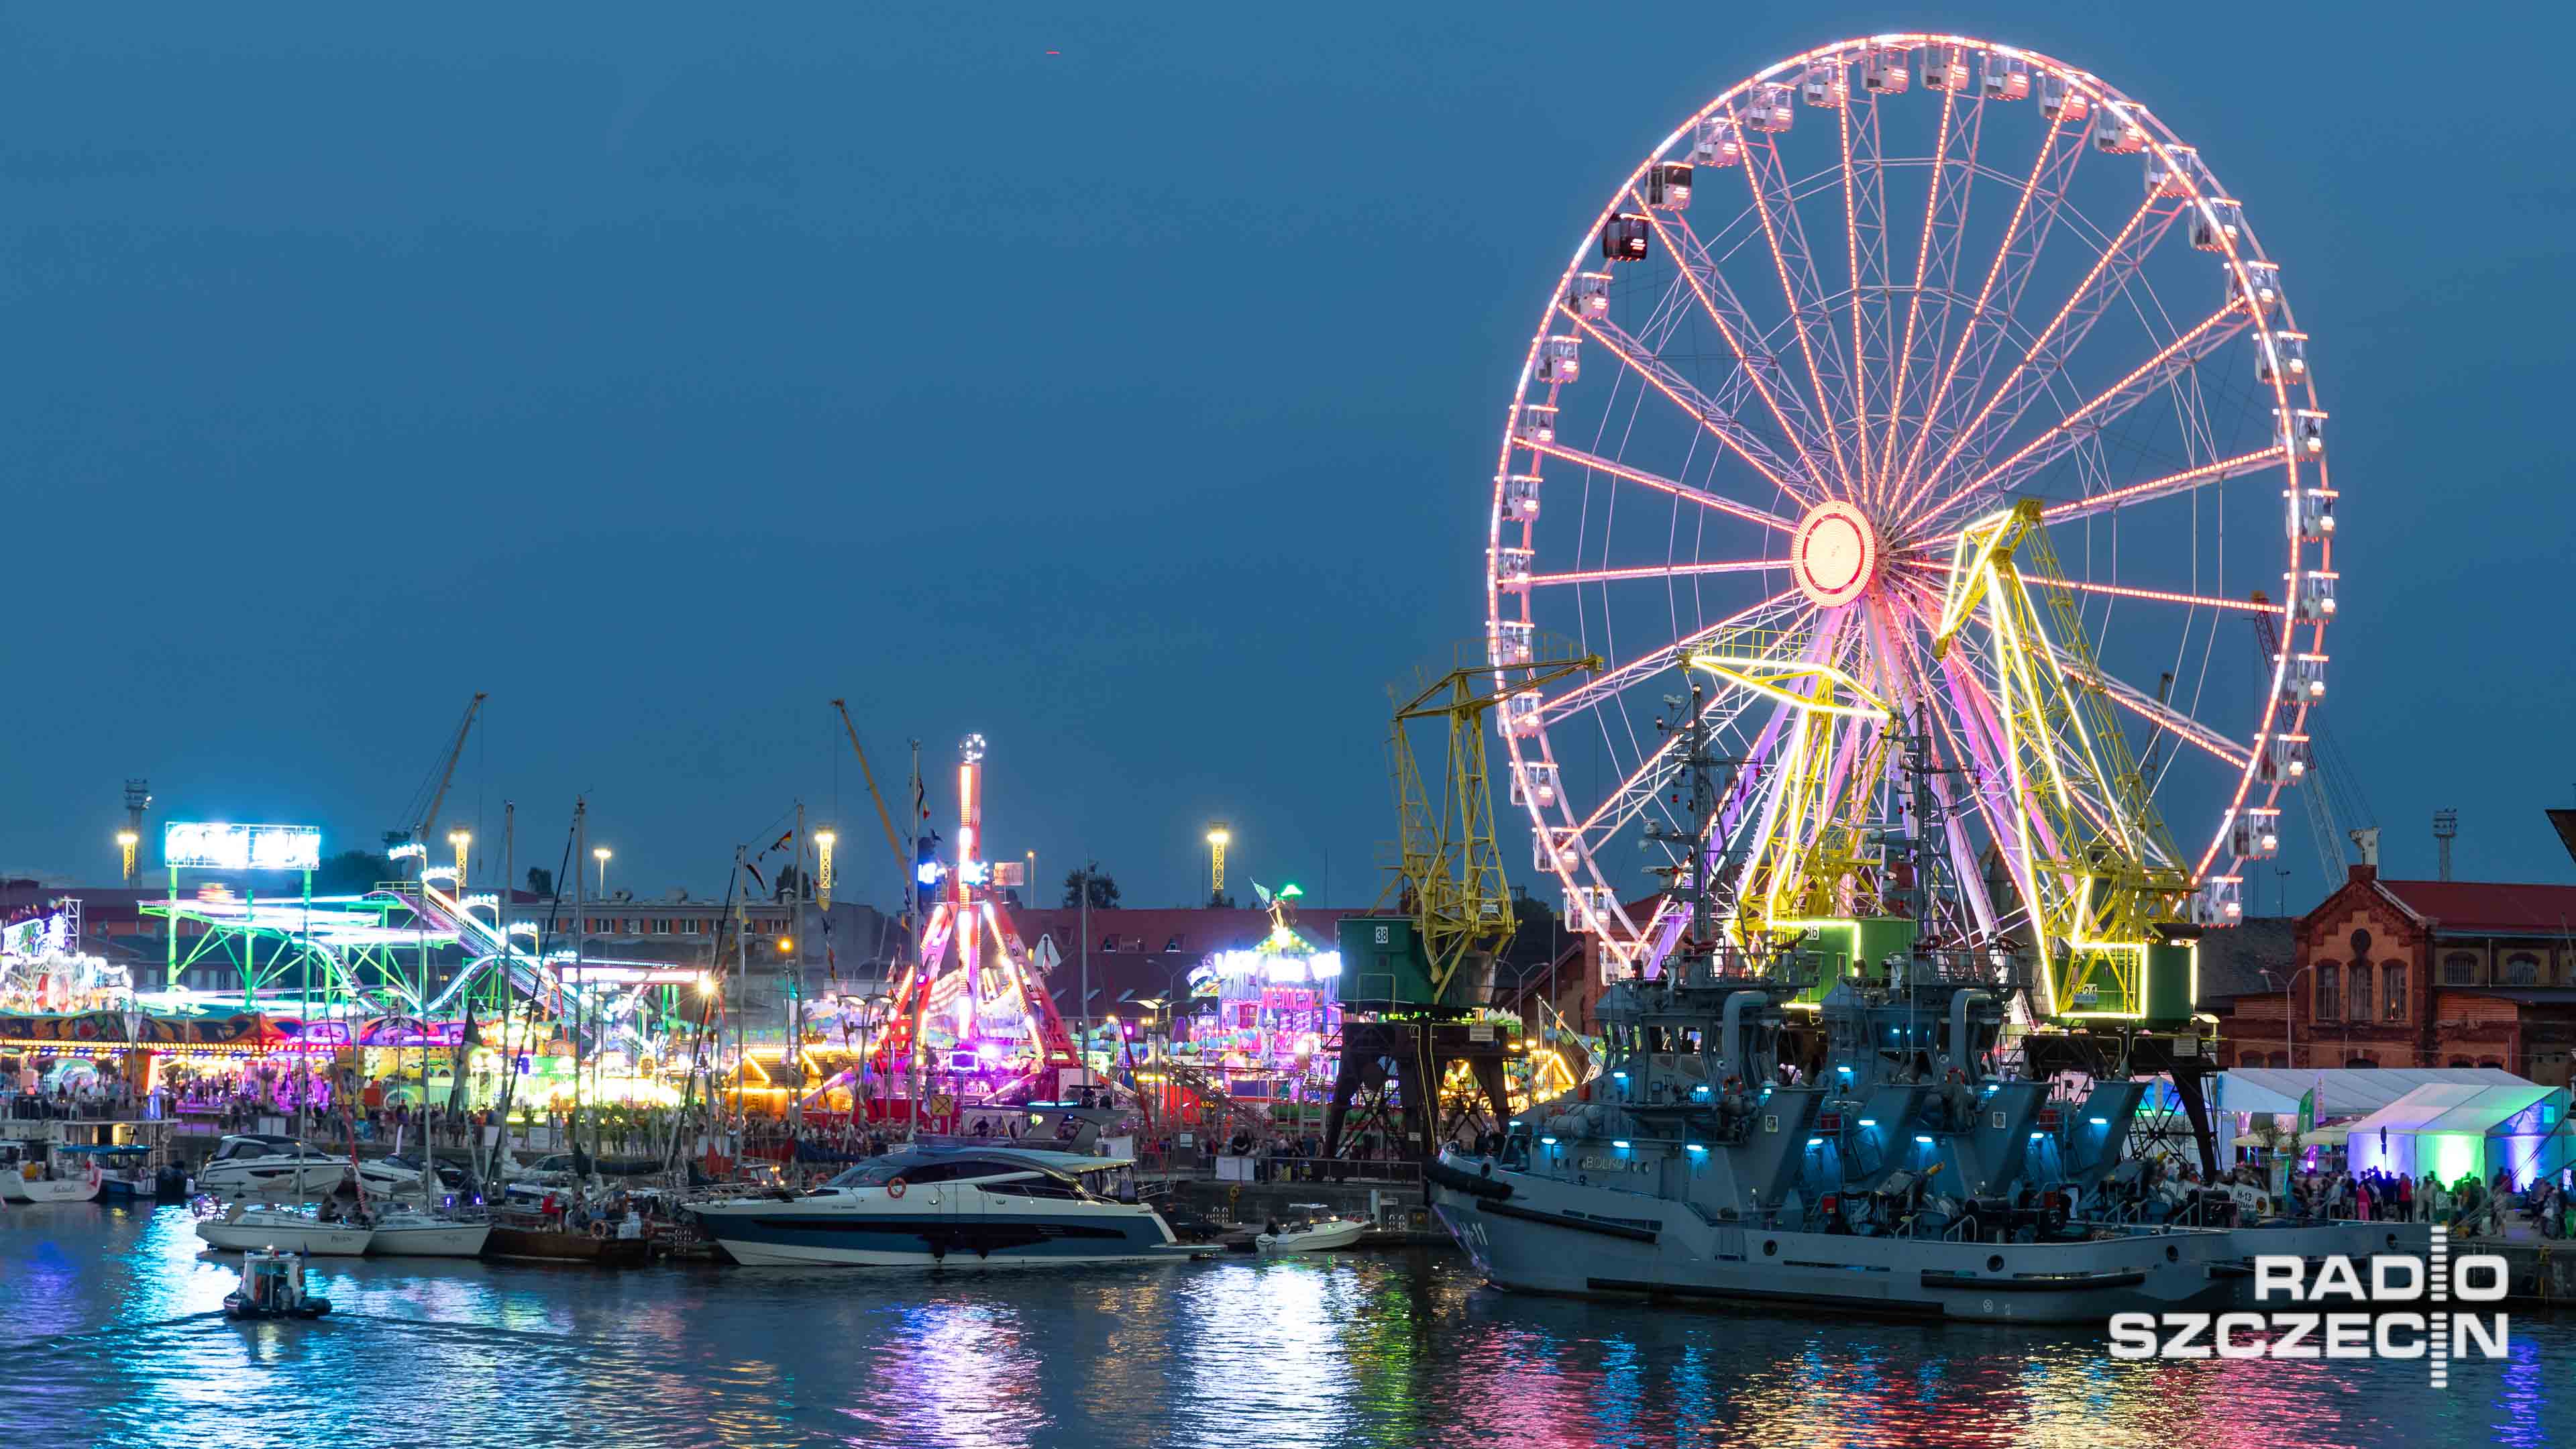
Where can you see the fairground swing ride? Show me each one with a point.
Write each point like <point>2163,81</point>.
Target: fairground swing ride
<point>971,1022</point>
<point>1926,408</point>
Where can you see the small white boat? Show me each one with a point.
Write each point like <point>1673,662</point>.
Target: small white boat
<point>242,1228</point>
<point>1316,1235</point>
<point>409,1232</point>
<point>32,1179</point>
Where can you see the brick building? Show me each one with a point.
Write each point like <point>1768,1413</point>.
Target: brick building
<point>2420,973</point>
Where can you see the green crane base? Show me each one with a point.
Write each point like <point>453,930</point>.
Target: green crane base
<point>1384,967</point>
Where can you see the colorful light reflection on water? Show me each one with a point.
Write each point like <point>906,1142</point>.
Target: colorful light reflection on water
<point>116,1338</point>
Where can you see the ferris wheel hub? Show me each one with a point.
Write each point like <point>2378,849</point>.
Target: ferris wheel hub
<point>1835,554</point>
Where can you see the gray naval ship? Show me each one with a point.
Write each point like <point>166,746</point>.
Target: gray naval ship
<point>1904,1180</point>
<point>1900,1172</point>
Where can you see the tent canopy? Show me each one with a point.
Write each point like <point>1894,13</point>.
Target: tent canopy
<point>2341,1091</point>
<point>2460,1107</point>
<point>2322,1137</point>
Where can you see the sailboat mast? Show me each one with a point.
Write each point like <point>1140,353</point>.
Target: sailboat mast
<point>580,952</point>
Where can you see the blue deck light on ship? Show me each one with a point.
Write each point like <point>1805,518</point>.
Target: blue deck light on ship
<point>1815,1142</point>
<point>1621,1144</point>
<point>1869,1121</point>
<point>1548,1141</point>
<point>2101,1121</point>
<point>2035,1136</point>
<point>1926,1141</point>
<point>1698,1149</point>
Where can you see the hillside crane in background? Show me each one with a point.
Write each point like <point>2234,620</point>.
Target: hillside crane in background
<point>420,830</point>
<point>894,842</point>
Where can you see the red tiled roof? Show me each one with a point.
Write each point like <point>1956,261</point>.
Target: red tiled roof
<point>1199,931</point>
<point>1140,968</point>
<point>2491,907</point>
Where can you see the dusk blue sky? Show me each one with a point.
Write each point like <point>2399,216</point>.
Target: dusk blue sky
<point>668,371</point>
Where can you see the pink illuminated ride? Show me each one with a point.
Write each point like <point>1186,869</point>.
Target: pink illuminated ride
<point>1921,411</point>
<point>971,1024</point>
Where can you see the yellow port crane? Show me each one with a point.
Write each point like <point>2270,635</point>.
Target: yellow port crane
<point>1447,862</point>
<point>2108,895</point>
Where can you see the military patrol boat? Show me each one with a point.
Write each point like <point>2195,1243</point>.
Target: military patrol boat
<point>1899,1164</point>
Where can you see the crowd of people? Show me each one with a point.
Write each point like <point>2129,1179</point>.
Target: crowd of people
<point>2467,1205</point>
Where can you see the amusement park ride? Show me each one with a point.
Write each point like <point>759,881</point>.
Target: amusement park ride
<point>971,1020</point>
<point>1904,432</point>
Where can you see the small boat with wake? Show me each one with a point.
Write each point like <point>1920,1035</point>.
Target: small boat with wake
<point>272,1286</point>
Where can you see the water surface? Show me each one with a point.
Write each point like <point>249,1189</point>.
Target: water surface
<point>116,1338</point>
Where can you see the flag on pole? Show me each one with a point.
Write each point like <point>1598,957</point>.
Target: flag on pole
<point>2308,1112</point>
<point>753,870</point>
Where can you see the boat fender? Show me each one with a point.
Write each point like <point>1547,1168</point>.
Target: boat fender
<point>599,1230</point>
<point>895,1186</point>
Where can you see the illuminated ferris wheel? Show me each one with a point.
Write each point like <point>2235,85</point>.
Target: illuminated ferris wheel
<point>1917,396</point>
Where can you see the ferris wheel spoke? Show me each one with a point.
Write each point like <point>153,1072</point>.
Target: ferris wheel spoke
<point>1642,785</point>
<point>1722,425</point>
<point>1661,484</point>
<point>2118,591</point>
<point>1717,298</point>
<point>2048,352</point>
<point>1619,677</point>
<point>2258,461</point>
<point>2052,172</point>
<point>2087,419</point>
<point>1928,253</point>
<point>2165,717</point>
<point>1659,571</point>
<point>1864,239</point>
<point>1799,289</point>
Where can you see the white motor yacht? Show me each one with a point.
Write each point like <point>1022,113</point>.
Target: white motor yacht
<point>957,1207</point>
<point>282,1167</point>
<point>242,1227</point>
<point>406,1231</point>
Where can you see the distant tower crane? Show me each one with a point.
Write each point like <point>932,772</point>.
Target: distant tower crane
<point>419,831</point>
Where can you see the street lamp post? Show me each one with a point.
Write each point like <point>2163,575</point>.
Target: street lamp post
<point>2289,1053</point>
<point>2289,1049</point>
<point>601,853</point>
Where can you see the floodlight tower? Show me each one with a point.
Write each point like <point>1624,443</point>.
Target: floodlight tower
<point>1217,838</point>
<point>823,843</point>
<point>138,798</point>
<point>2446,828</point>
